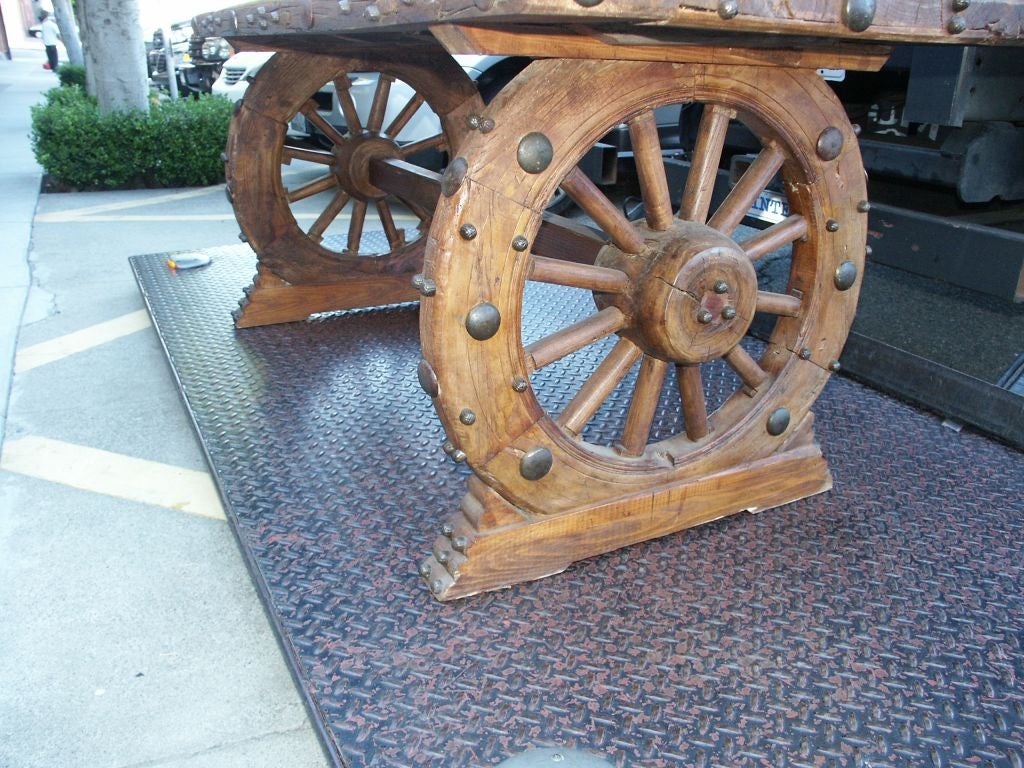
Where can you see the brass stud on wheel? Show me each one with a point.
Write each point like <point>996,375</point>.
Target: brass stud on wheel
<point>535,463</point>
<point>535,152</point>
<point>483,321</point>
<point>845,276</point>
<point>778,422</point>
<point>427,378</point>
<point>830,143</point>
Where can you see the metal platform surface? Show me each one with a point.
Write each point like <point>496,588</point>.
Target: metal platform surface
<point>880,624</point>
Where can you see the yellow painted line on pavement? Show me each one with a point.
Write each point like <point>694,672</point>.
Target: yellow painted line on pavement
<point>113,474</point>
<point>123,205</point>
<point>56,349</point>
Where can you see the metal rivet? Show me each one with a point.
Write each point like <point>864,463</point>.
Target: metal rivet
<point>467,231</point>
<point>372,12</point>
<point>778,422</point>
<point>460,543</point>
<point>520,243</point>
<point>486,125</point>
<point>458,456</point>
<point>441,557</point>
<point>483,321</point>
<point>447,529</point>
<point>345,7</point>
<point>424,285</point>
<point>228,195</point>
<point>835,366</point>
<point>473,121</point>
<point>832,225</point>
<point>467,417</point>
<point>223,157</point>
<point>436,585</point>
<point>805,353</point>
<point>721,287</point>
<point>454,175</point>
<point>961,5</point>
<point>868,250</point>
<point>520,384</point>
<point>448,447</point>
<point>728,313</point>
<point>428,379</point>
<point>956,25</point>
<point>846,275</point>
<point>858,15</point>
<point>704,317</point>
<point>830,143</point>
<point>863,206</point>
<point>535,463</point>
<point>535,152</point>
<point>588,3</point>
<point>275,16</point>
<point>242,237</point>
<point>483,5</point>
<point>425,570</point>
<point>728,9</point>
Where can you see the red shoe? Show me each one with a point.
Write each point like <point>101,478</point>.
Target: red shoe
<point>47,65</point>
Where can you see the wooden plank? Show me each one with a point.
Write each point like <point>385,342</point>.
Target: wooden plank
<point>585,44</point>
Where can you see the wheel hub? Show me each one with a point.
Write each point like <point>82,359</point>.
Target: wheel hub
<point>353,163</point>
<point>695,293</point>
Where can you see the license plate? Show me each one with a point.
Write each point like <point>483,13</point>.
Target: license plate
<point>770,206</point>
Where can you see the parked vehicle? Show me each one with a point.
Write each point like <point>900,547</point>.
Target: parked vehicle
<point>197,59</point>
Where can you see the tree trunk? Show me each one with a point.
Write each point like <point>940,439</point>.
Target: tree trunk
<point>68,31</point>
<point>115,55</point>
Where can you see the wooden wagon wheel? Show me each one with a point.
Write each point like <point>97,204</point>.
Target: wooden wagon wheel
<point>300,249</point>
<point>675,291</point>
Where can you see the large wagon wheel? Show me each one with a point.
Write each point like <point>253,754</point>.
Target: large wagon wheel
<point>299,247</point>
<point>675,291</point>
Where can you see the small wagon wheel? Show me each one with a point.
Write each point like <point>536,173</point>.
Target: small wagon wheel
<point>674,292</point>
<point>287,196</point>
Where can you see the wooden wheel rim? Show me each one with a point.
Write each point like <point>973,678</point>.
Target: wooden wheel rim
<point>503,201</point>
<point>256,153</point>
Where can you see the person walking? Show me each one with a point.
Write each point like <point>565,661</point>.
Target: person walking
<point>50,33</point>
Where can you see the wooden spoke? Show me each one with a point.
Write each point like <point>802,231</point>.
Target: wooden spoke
<point>643,406</point>
<point>329,214</point>
<point>751,184</point>
<point>309,110</point>
<point>396,236</point>
<point>574,275</point>
<point>309,155</point>
<point>355,225</point>
<point>603,211</point>
<point>433,142</point>
<point>707,154</point>
<point>574,337</point>
<point>691,392</point>
<point>786,231</point>
<point>600,386</point>
<point>567,240</point>
<point>406,181</point>
<point>342,86</point>
<point>746,367</point>
<point>643,132</point>
<point>380,102</point>
<point>778,304</point>
<point>314,187</point>
<point>404,116</point>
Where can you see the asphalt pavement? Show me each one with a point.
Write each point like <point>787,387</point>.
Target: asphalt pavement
<point>130,631</point>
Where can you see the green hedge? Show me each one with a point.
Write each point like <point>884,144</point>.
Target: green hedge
<point>71,74</point>
<point>177,144</point>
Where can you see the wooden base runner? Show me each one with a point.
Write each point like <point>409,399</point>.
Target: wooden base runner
<point>271,300</point>
<point>489,544</point>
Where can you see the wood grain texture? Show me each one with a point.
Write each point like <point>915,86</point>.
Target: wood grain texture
<point>806,24</point>
<point>271,300</point>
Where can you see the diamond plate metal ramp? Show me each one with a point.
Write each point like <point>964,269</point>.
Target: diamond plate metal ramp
<point>881,624</point>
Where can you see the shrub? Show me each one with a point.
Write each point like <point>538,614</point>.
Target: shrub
<point>175,144</point>
<point>71,74</point>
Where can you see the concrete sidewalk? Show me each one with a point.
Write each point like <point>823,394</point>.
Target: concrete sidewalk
<point>131,632</point>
